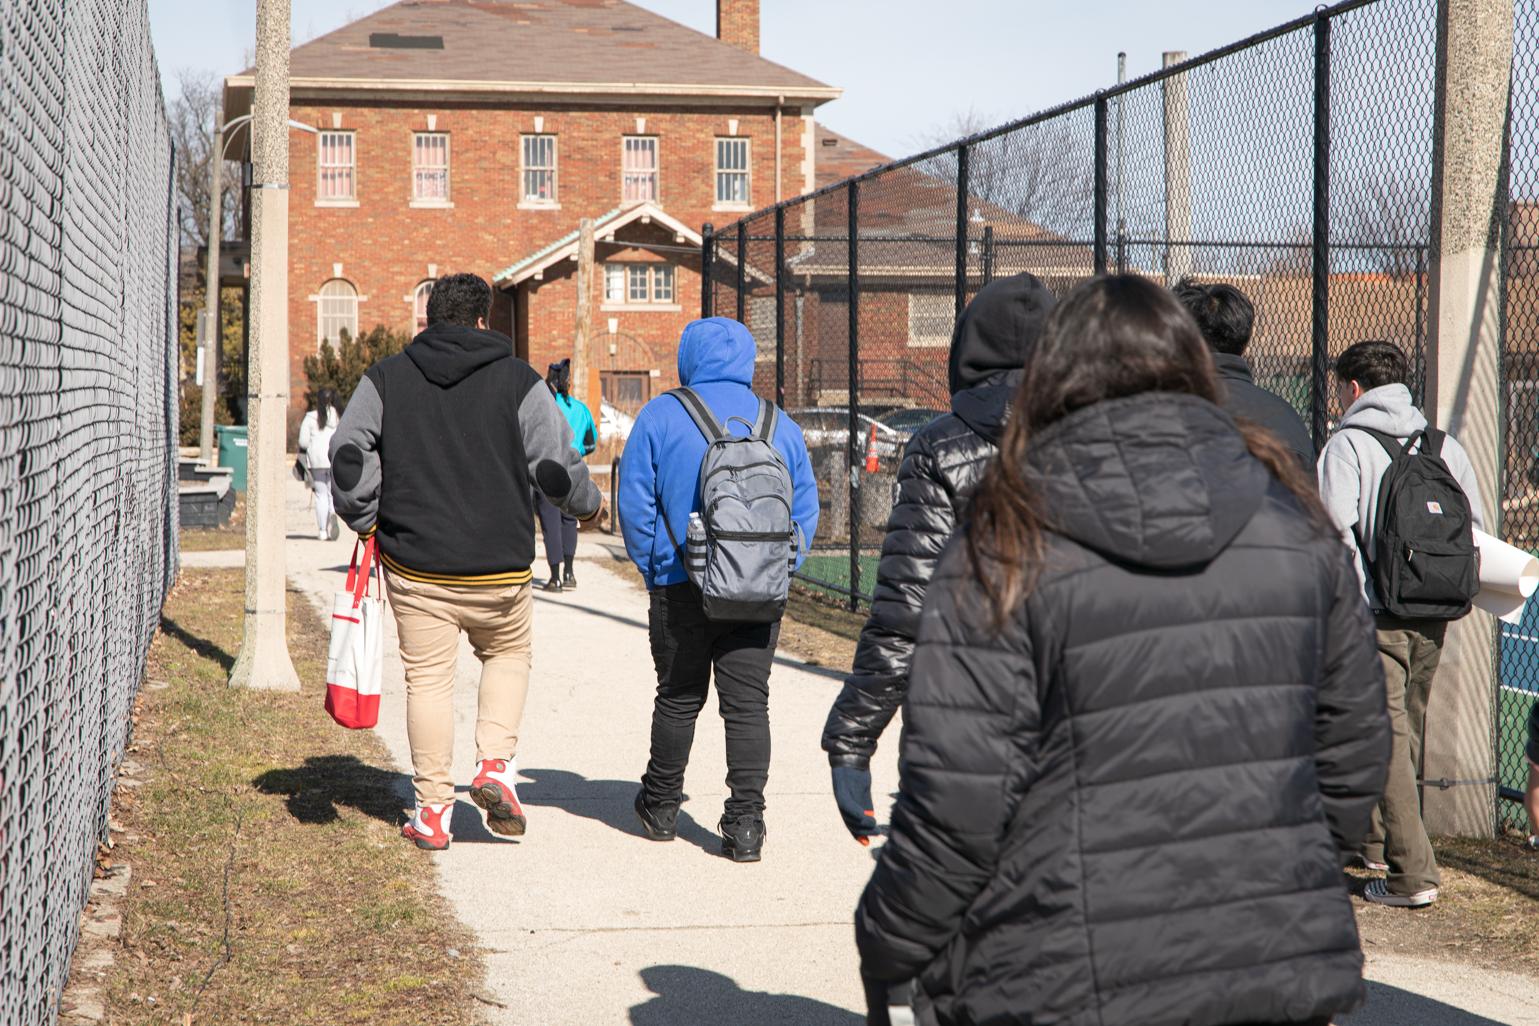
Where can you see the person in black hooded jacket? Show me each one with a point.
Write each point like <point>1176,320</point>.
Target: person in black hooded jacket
<point>1146,718</point>
<point>942,463</point>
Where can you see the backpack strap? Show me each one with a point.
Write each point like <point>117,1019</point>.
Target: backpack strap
<point>767,422</point>
<point>1432,442</point>
<point>1390,443</point>
<point>698,412</point>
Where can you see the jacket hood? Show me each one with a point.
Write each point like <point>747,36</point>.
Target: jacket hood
<point>1387,408</point>
<point>716,349</point>
<point>997,329</point>
<point>1233,368</point>
<point>1156,480</point>
<point>447,354</point>
<point>984,407</point>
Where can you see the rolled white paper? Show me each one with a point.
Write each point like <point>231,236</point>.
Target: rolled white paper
<point>1508,576</point>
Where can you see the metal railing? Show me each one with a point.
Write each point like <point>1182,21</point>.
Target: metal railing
<point>88,533</point>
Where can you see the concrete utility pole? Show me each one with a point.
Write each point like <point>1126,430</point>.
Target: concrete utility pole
<point>264,653</point>
<point>213,333</point>
<point>1178,173</point>
<point>580,347</point>
<point>1474,61</point>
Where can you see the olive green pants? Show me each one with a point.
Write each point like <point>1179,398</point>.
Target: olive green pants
<point>1410,651</point>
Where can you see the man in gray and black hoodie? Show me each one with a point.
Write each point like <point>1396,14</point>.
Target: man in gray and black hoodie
<point>435,457</point>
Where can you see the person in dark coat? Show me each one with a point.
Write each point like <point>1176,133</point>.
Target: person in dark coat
<point>1145,720</point>
<point>1225,316</point>
<point>942,463</point>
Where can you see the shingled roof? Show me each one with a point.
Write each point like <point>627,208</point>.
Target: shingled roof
<point>535,47</point>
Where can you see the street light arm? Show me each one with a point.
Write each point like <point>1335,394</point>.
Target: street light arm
<point>245,118</point>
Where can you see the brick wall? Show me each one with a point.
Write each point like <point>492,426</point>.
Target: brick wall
<point>386,246</point>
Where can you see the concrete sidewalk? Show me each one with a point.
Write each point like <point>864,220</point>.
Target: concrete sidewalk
<point>586,922</point>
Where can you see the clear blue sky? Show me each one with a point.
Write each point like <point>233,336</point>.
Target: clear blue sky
<point>906,73</point>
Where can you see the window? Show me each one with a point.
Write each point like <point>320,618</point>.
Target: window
<point>540,169</point>
<point>338,167</point>
<point>638,284</point>
<point>732,172</point>
<point>628,390</point>
<point>419,304</point>
<point>931,317</point>
<point>430,166</point>
<point>337,312</point>
<point>638,169</point>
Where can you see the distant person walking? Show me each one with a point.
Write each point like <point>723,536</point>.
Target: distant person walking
<point>436,456</point>
<point>558,528</point>
<point>1226,317</point>
<point>943,462</point>
<point>1380,428</point>
<point>660,510</point>
<point>315,434</point>
<point>1145,718</point>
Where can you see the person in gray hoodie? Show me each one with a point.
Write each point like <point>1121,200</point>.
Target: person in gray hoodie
<point>1371,386</point>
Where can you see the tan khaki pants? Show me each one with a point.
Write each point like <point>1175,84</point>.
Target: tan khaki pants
<point>430,618</point>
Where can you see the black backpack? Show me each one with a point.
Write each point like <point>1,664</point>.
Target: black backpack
<point>1424,564</point>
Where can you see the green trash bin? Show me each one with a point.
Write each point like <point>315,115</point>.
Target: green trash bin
<point>232,453</point>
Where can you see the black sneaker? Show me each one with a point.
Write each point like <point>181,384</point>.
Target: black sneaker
<point>659,823</point>
<point>554,584</point>
<point>742,839</point>
<point>569,582</point>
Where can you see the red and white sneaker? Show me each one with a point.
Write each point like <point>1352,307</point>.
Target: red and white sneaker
<point>494,792</point>
<point>430,826</point>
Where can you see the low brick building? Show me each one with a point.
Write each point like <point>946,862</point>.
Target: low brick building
<point>475,135</point>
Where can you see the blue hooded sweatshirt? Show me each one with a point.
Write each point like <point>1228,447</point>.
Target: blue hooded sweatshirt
<point>660,469</point>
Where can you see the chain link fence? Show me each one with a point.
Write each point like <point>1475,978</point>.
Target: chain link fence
<point>87,451</point>
<point>1296,164</point>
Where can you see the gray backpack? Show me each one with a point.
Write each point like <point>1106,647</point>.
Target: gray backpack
<point>741,545</point>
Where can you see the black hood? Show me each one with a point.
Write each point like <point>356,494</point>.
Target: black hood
<point>1156,480</point>
<point>447,354</point>
<point>1235,368</point>
<point>998,329</point>
<point>984,407</point>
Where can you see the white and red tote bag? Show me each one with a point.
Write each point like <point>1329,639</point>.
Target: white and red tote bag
<point>355,662</point>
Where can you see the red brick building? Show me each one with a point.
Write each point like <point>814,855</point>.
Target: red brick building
<point>475,135</point>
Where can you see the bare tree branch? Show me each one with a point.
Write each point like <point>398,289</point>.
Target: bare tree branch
<point>193,116</point>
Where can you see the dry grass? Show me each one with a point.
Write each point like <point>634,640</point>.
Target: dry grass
<point>270,883</point>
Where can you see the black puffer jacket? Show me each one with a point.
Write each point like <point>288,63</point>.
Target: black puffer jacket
<point>1128,805</point>
<point>943,462</point>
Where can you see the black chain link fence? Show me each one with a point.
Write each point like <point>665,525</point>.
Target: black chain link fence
<point>87,451</point>
<point>1296,164</point>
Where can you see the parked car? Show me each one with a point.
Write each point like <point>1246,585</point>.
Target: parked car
<point>828,427</point>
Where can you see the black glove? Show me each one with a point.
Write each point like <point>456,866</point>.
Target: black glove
<point>852,793</point>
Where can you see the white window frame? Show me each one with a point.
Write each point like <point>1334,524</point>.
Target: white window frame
<point>336,310</point>
<point>725,174</point>
<point>325,195</point>
<point>661,273</point>
<point>633,173</point>
<point>638,277</point>
<point>614,283</point>
<point>553,169</point>
<point>931,319</point>
<point>634,285</point>
<point>419,301</point>
<point>421,172</point>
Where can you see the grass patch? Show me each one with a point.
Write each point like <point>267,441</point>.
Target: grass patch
<point>212,539</point>
<point>270,882</point>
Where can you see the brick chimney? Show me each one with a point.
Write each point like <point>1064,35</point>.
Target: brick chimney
<point>737,24</point>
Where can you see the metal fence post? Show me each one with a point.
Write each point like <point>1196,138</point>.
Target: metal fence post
<point>1320,263</point>
<point>742,266</point>
<point>1099,204</point>
<point>961,255</point>
<point>707,259</point>
<point>988,253</point>
<point>780,307</point>
<point>854,384</point>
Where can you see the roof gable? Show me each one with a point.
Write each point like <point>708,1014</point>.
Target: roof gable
<point>605,228</point>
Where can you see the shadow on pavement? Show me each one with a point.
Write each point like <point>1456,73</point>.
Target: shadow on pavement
<point>324,782</point>
<point>199,646</point>
<point>687,996</point>
<point>1391,1006</point>
<point>612,805</point>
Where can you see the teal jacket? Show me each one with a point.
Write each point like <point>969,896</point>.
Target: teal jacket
<point>584,434</point>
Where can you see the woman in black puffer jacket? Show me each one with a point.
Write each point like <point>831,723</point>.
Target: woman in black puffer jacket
<point>1146,716</point>
<point>942,464</point>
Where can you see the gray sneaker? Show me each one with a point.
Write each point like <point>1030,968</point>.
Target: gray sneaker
<point>1378,893</point>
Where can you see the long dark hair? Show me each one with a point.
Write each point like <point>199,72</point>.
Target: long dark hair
<point>1112,337</point>
<point>322,402</point>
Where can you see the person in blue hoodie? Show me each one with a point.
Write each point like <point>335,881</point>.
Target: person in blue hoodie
<point>659,481</point>
<point>558,528</point>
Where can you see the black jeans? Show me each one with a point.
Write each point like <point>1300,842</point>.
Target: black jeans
<point>685,648</point>
<point>560,532</point>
